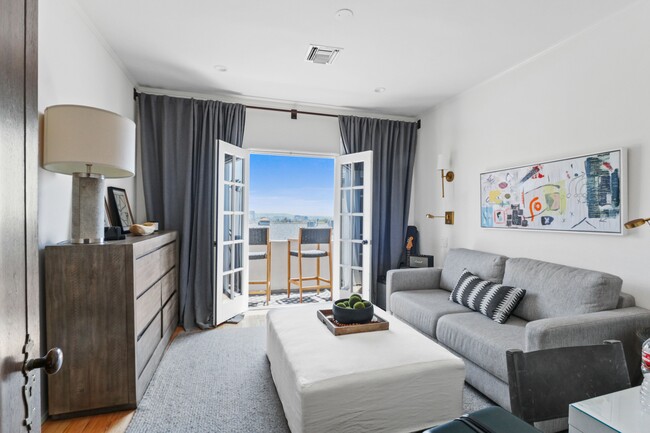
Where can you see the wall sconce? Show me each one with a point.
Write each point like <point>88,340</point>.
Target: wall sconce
<point>636,223</point>
<point>449,217</point>
<point>443,164</point>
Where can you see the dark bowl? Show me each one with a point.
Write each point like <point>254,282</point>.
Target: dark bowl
<point>347,315</point>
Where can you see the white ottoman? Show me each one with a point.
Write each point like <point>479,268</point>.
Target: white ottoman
<point>385,381</point>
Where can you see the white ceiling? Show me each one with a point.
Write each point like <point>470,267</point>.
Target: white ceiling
<point>421,51</point>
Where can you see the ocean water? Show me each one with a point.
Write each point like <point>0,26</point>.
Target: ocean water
<point>284,231</point>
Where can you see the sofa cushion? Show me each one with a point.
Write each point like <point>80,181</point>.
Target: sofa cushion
<point>492,300</point>
<point>488,266</point>
<point>481,340</point>
<point>422,308</point>
<point>554,290</point>
<point>625,300</point>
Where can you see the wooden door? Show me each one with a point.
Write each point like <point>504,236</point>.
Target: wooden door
<point>19,298</point>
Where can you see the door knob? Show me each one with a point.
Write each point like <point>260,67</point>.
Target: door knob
<point>51,362</point>
<point>364,242</point>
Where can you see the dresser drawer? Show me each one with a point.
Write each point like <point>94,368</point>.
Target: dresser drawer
<point>147,271</point>
<point>167,257</point>
<point>170,313</point>
<point>147,306</point>
<point>147,343</point>
<point>169,284</point>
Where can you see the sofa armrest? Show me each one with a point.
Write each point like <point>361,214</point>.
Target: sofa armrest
<point>411,279</point>
<point>592,328</point>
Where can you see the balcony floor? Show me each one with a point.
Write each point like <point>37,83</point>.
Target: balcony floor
<point>280,298</point>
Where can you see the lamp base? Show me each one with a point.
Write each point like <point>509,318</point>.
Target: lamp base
<point>87,208</point>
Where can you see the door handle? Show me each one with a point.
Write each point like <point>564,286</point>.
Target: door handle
<point>51,362</point>
<point>364,242</point>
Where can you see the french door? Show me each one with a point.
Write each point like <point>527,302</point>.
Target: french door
<point>231,232</point>
<point>352,225</point>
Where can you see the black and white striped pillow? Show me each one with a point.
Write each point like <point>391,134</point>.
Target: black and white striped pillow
<point>493,300</point>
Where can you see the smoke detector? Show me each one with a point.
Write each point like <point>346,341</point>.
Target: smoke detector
<point>322,54</point>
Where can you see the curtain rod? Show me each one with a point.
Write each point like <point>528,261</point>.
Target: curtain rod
<point>294,113</point>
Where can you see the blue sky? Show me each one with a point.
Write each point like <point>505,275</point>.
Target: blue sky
<point>291,184</point>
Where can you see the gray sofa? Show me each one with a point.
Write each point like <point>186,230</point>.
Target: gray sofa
<point>563,306</point>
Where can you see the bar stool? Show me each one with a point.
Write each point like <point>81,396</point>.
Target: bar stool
<point>310,237</point>
<point>260,236</point>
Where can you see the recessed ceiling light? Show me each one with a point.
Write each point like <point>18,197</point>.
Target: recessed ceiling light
<point>344,14</point>
<point>221,68</point>
<point>380,89</point>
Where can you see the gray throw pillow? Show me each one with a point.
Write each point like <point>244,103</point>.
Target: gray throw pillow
<point>493,300</point>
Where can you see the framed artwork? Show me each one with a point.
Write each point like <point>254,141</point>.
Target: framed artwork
<point>585,194</point>
<point>107,214</point>
<point>121,214</point>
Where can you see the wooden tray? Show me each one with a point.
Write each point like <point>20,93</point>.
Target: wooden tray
<point>336,328</point>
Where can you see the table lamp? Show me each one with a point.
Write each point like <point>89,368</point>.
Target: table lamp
<point>89,144</point>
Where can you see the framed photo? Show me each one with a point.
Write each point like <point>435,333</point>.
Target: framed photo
<point>120,208</point>
<point>107,214</point>
<point>582,194</point>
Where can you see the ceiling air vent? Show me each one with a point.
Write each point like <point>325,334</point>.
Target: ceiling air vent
<point>321,54</point>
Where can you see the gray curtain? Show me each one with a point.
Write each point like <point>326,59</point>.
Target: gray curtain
<point>393,146</point>
<point>177,137</point>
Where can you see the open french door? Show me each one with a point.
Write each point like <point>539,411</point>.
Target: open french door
<point>231,232</point>
<point>352,225</point>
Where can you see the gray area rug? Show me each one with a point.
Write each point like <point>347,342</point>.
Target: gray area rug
<point>219,381</point>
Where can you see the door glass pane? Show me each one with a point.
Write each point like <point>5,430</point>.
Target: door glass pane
<point>227,227</point>
<point>228,261</point>
<point>237,283</point>
<point>346,175</point>
<point>358,174</point>
<point>351,227</point>
<point>346,282</point>
<point>346,253</point>
<point>357,254</point>
<point>239,255</point>
<point>237,227</point>
<point>356,200</point>
<point>227,198</point>
<point>238,198</point>
<point>345,201</point>
<point>357,281</point>
<point>239,170</point>
<point>227,168</point>
<point>352,201</point>
<point>351,254</point>
<point>227,288</point>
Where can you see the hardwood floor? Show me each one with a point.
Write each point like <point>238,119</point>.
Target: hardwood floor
<point>117,422</point>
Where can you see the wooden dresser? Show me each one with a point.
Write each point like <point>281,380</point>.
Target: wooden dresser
<point>112,309</point>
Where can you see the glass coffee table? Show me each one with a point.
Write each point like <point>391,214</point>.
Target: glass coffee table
<point>616,412</point>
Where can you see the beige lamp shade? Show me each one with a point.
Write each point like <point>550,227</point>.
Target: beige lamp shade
<point>443,162</point>
<point>76,135</point>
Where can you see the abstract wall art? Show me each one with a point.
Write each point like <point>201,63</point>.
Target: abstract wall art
<point>580,194</point>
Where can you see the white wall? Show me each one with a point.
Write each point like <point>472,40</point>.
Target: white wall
<point>588,94</point>
<point>74,68</point>
<point>272,130</point>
